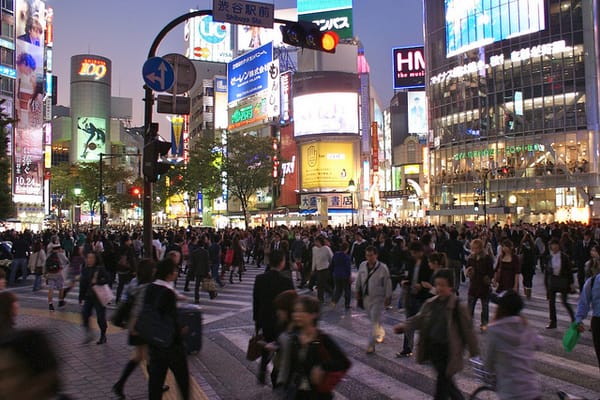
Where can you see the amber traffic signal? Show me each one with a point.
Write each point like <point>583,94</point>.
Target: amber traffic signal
<point>308,35</point>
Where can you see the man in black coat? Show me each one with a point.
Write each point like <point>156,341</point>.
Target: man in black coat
<point>200,264</point>
<point>266,287</point>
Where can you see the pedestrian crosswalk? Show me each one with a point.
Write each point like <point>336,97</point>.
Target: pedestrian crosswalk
<point>383,376</point>
<point>228,325</point>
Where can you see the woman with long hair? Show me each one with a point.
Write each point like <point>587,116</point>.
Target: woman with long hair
<point>238,258</point>
<point>592,266</point>
<point>508,268</point>
<point>93,274</point>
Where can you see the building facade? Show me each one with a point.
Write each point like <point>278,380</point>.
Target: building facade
<point>513,109</point>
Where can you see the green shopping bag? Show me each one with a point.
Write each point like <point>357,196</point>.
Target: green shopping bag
<point>571,337</point>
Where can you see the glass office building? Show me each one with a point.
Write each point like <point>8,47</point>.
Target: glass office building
<point>513,108</point>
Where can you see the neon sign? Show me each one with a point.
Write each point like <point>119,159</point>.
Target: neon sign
<point>94,68</point>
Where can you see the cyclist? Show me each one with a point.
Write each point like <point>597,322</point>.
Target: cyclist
<point>511,344</point>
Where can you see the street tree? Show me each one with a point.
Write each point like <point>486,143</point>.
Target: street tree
<point>248,166</point>
<point>6,204</point>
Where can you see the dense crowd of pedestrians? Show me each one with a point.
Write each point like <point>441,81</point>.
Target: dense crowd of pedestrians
<point>425,264</point>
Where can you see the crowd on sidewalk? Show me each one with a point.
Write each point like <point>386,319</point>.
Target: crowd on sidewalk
<point>427,263</point>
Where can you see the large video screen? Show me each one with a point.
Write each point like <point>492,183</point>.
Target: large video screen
<point>474,23</point>
<point>318,113</point>
<point>91,138</point>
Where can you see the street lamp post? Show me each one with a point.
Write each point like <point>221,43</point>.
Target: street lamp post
<point>77,193</point>
<point>352,189</point>
<point>486,179</point>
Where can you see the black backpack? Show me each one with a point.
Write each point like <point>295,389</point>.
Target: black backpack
<point>52,263</point>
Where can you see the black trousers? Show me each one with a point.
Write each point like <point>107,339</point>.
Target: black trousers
<point>342,286</point>
<point>445,387</point>
<point>552,302</point>
<point>596,337</point>
<point>161,360</point>
<point>90,304</point>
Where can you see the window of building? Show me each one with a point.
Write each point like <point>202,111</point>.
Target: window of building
<point>7,86</point>
<point>7,57</point>
<point>7,30</point>
<point>8,5</point>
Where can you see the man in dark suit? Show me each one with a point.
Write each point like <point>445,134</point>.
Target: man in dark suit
<point>200,264</point>
<point>582,255</point>
<point>558,279</point>
<point>419,276</point>
<point>266,287</point>
<point>162,295</point>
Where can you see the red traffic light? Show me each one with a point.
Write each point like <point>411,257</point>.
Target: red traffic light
<point>135,191</point>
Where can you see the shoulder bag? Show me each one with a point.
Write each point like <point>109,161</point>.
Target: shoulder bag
<point>103,293</point>
<point>329,352</point>
<point>364,290</point>
<point>153,327</point>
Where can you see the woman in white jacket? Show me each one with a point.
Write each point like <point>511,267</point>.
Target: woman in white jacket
<point>511,345</point>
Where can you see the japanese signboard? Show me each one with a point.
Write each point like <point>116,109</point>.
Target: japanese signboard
<point>327,165</point>
<point>244,12</point>
<point>249,73</point>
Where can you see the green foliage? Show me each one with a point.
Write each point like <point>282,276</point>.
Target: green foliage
<point>6,204</point>
<point>248,166</point>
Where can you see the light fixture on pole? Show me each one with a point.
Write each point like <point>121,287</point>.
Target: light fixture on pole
<point>352,189</point>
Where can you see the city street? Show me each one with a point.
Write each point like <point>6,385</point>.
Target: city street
<point>220,370</point>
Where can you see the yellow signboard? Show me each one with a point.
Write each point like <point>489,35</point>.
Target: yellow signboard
<point>327,165</point>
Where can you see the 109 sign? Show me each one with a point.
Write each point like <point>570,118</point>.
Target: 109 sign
<point>93,68</point>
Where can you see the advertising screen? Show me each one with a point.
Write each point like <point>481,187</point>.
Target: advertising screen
<point>28,161</point>
<point>207,40</point>
<point>335,112</point>
<point>417,112</point>
<point>474,23</point>
<point>220,102</point>
<point>252,37</point>
<point>327,165</point>
<point>91,138</point>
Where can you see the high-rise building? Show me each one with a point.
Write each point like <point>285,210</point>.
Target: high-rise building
<point>513,109</point>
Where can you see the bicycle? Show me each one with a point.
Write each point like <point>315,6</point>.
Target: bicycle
<point>487,391</point>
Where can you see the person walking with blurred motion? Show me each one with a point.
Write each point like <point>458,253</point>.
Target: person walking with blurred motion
<point>342,273</point>
<point>37,260</point>
<point>200,263</point>
<point>135,294</point>
<point>321,259</point>
<point>2,280</point>
<point>445,329</point>
<point>590,298</point>
<point>161,296</point>
<point>93,274</point>
<point>510,350</point>
<point>238,258</point>
<point>20,250</point>
<point>374,289</point>
<point>528,259</point>
<point>214,255</point>
<point>559,279</point>
<point>76,263</point>
<point>29,367</point>
<point>9,309</point>
<point>314,355</point>
<point>480,270</point>
<point>53,273</point>
<point>126,264</point>
<point>267,287</point>
<point>508,268</point>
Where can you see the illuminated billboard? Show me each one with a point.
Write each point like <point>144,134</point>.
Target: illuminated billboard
<point>91,138</point>
<point>475,23</point>
<point>327,165</point>
<point>329,15</point>
<point>417,113</point>
<point>28,160</point>
<point>249,73</point>
<point>409,67</point>
<point>334,112</point>
<point>220,100</point>
<point>207,40</point>
<point>252,37</point>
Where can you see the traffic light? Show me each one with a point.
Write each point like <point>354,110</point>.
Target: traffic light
<point>307,35</point>
<point>476,206</point>
<point>135,191</point>
<point>153,151</point>
<point>503,171</point>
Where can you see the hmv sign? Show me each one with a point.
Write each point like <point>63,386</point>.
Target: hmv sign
<point>409,67</point>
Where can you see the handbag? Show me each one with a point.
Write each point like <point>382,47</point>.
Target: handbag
<point>228,256</point>
<point>256,345</point>
<point>155,328</point>
<point>331,378</point>
<point>208,285</point>
<point>103,293</point>
<point>571,337</point>
<point>121,317</point>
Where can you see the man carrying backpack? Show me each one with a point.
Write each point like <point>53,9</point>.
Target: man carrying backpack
<point>590,295</point>
<point>54,277</point>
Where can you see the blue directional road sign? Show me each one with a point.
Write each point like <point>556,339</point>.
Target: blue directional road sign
<point>158,74</point>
